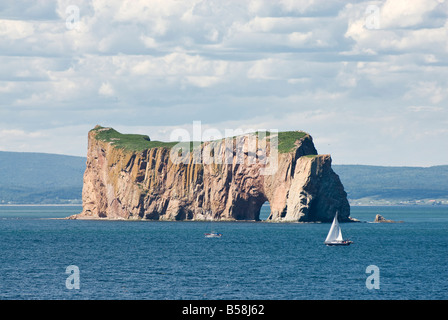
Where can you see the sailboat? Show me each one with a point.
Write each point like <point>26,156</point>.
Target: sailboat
<point>334,237</point>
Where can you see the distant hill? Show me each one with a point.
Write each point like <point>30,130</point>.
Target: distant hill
<point>40,178</point>
<point>394,184</point>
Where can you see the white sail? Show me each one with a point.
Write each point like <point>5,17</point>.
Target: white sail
<point>335,233</point>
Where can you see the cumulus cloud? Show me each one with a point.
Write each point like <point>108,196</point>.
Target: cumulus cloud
<point>106,89</point>
<point>403,27</point>
<point>11,29</point>
<point>403,14</point>
<point>316,65</point>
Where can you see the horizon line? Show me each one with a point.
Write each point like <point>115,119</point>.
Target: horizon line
<point>336,164</point>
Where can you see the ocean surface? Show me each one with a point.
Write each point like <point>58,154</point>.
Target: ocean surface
<point>252,260</point>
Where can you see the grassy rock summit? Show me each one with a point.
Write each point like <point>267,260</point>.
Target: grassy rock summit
<point>129,176</point>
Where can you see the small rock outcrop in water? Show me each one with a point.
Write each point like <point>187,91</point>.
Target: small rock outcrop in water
<point>132,177</point>
<point>380,219</point>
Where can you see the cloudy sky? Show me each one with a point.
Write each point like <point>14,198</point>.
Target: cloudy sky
<point>367,79</point>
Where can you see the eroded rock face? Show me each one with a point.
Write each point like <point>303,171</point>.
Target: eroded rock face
<point>123,184</point>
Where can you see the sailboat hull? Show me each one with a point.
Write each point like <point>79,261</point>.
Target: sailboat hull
<point>339,243</point>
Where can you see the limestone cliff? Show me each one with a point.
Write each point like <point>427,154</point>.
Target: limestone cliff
<point>131,177</point>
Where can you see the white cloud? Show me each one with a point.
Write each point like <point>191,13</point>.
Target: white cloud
<point>403,27</point>
<point>297,80</point>
<point>425,108</point>
<point>15,29</point>
<point>403,14</point>
<point>15,133</point>
<point>149,42</point>
<point>428,90</point>
<point>299,38</point>
<point>203,81</point>
<point>287,64</point>
<point>263,69</point>
<point>72,140</point>
<point>8,87</point>
<point>106,89</point>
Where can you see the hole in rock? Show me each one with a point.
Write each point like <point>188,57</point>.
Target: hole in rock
<point>265,211</point>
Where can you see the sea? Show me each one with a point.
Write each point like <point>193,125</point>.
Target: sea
<point>44,257</point>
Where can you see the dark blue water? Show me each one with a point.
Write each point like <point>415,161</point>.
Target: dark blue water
<point>173,260</point>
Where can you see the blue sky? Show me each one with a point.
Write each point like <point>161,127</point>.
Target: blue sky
<point>371,87</point>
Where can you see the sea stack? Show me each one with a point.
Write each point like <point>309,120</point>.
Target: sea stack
<point>380,219</point>
<point>131,177</point>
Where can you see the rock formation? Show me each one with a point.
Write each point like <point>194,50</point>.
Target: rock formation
<point>380,219</point>
<point>131,177</point>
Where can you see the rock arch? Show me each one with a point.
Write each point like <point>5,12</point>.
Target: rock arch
<point>147,184</point>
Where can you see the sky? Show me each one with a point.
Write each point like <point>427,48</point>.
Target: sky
<point>367,79</point>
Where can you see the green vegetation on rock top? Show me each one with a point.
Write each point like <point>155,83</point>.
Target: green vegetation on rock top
<point>287,139</point>
<point>130,142</point>
<point>138,142</point>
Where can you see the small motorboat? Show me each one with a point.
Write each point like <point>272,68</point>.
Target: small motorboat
<point>213,234</point>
